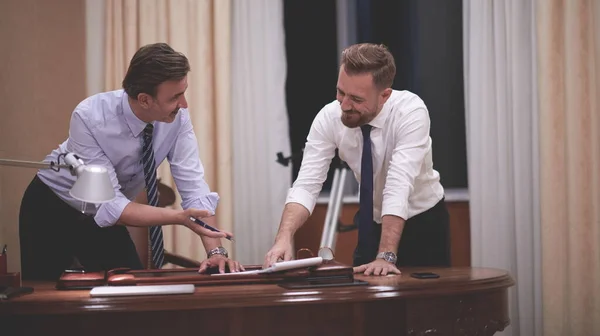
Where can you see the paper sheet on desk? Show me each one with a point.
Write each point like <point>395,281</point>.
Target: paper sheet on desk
<point>280,266</point>
<point>105,291</point>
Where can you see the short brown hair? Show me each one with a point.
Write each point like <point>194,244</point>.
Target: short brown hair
<point>152,65</point>
<point>371,58</point>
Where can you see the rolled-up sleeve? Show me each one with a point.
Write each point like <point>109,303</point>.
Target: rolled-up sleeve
<point>109,213</point>
<point>412,134</point>
<point>318,153</point>
<point>188,171</point>
<point>82,142</point>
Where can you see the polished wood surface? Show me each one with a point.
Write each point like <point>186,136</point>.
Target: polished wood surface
<point>309,235</point>
<point>331,272</point>
<point>463,301</point>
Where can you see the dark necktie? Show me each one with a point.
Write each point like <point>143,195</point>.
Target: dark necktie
<point>365,224</point>
<point>156,236</point>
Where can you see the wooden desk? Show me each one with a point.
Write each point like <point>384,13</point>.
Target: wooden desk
<point>463,301</point>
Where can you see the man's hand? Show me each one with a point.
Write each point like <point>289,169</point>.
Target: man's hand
<point>219,260</point>
<point>184,218</point>
<point>294,215</point>
<point>282,250</point>
<point>377,267</point>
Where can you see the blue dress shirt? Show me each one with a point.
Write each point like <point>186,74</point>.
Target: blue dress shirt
<point>104,131</point>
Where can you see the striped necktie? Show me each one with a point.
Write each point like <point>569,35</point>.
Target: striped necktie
<point>156,236</point>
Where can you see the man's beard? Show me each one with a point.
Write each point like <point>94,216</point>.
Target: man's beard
<point>353,119</point>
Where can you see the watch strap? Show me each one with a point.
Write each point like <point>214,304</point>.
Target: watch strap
<point>218,250</point>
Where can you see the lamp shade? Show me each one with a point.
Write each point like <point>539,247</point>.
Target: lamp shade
<point>93,185</point>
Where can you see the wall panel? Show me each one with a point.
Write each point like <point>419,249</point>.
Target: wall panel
<point>42,78</point>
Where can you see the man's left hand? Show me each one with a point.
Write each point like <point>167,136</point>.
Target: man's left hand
<point>219,260</point>
<point>377,267</point>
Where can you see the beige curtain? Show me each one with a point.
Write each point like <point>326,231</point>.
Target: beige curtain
<point>568,55</point>
<point>201,30</point>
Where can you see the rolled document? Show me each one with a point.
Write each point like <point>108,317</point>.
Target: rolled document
<point>293,264</point>
<point>281,266</point>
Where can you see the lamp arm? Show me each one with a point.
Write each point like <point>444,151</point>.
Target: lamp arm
<point>72,162</point>
<point>32,164</point>
<point>92,184</point>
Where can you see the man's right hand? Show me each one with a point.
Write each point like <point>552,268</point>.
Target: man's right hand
<point>294,215</point>
<point>199,230</point>
<point>281,250</point>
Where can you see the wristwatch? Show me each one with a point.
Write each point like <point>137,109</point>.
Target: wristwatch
<point>217,250</point>
<point>387,256</point>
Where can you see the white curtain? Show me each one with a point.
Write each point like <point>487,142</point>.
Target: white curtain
<point>502,149</point>
<point>260,125</point>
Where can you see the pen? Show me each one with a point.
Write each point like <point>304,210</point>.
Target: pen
<point>204,225</point>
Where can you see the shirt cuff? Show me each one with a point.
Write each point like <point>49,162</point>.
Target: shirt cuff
<point>207,202</point>
<point>395,205</point>
<point>303,197</point>
<point>109,213</point>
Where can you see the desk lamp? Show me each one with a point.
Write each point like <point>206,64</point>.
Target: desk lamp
<point>93,184</point>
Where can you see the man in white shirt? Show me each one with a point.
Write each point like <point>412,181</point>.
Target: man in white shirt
<point>129,132</point>
<point>383,136</point>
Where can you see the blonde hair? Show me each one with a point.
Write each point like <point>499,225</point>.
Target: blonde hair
<point>371,58</point>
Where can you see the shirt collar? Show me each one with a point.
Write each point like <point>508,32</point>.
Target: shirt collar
<point>381,118</point>
<point>135,124</point>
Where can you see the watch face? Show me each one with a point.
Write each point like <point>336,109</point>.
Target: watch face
<point>389,257</point>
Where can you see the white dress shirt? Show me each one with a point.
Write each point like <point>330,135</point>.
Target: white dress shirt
<point>404,182</point>
<point>104,131</point>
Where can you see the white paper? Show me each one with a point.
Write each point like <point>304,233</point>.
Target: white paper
<point>105,291</point>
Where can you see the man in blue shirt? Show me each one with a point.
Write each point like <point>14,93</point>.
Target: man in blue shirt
<point>130,132</point>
